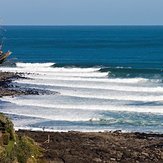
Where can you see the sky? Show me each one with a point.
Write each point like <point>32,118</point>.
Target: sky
<point>81,12</point>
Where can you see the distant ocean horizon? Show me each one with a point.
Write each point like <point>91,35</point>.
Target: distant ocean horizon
<point>106,77</point>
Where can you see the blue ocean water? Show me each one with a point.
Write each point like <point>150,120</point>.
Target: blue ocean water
<point>137,47</point>
<point>106,77</point>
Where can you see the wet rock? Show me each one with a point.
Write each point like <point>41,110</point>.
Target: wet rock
<point>8,89</point>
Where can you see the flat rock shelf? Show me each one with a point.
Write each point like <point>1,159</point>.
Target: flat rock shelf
<point>91,147</point>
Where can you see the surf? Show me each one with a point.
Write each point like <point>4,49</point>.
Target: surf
<point>83,93</point>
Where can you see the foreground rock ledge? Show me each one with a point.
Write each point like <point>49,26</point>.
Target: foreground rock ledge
<point>78,147</point>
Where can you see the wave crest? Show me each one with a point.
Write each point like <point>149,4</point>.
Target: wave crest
<point>28,65</point>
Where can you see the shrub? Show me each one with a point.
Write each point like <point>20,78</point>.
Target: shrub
<point>6,138</point>
<point>27,149</point>
<point>16,149</point>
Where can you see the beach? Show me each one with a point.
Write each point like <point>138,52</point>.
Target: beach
<point>89,147</point>
<point>86,94</point>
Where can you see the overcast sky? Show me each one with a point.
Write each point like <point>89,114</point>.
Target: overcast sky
<point>81,12</point>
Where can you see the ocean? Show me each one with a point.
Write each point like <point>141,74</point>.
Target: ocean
<point>104,78</point>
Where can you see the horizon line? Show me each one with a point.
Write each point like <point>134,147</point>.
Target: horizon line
<point>83,25</point>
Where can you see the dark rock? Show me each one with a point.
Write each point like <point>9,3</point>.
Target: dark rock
<point>98,147</point>
<point>8,89</point>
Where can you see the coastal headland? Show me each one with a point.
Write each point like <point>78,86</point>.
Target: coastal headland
<point>76,147</point>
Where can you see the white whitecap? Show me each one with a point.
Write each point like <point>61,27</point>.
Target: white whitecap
<point>31,65</point>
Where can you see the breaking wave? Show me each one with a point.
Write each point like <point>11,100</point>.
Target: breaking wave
<point>33,65</point>
<point>84,94</point>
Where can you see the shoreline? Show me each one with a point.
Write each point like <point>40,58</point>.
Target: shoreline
<point>94,147</point>
<point>86,131</point>
<point>7,89</point>
<point>5,80</point>
<point>76,146</point>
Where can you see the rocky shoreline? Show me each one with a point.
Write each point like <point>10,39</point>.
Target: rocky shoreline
<point>7,89</point>
<point>5,80</point>
<point>80,147</point>
<point>108,147</point>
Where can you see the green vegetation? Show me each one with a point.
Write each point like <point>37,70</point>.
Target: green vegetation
<point>14,148</point>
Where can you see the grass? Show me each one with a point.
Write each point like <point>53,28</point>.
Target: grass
<point>10,146</point>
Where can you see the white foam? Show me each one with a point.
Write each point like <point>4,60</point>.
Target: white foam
<point>87,77</point>
<point>44,70</point>
<point>83,91</point>
<point>50,115</point>
<point>111,96</point>
<point>76,70</point>
<point>55,72</point>
<point>77,105</point>
<point>33,65</point>
<point>67,129</point>
<point>64,75</point>
<point>57,69</point>
<point>92,85</point>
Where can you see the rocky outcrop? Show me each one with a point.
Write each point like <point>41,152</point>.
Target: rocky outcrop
<point>7,89</point>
